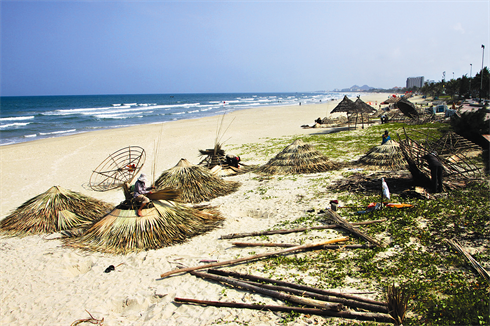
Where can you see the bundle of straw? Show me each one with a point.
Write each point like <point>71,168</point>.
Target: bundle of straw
<point>397,303</point>
<point>196,184</point>
<point>387,155</point>
<point>54,210</point>
<point>298,158</point>
<point>167,223</point>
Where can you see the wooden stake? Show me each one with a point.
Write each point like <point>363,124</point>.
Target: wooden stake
<point>239,260</point>
<point>382,318</point>
<point>288,245</point>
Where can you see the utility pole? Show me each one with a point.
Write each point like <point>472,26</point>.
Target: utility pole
<point>481,73</point>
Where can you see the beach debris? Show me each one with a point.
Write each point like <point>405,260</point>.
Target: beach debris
<point>55,210</point>
<point>122,231</point>
<point>91,320</point>
<point>407,108</point>
<point>397,303</point>
<point>288,245</point>
<point>348,300</point>
<point>118,168</point>
<point>331,303</point>
<point>387,155</point>
<point>350,227</point>
<point>382,318</point>
<point>397,181</point>
<point>474,263</point>
<point>298,158</point>
<point>109,269</point>
<point>301,300</point>
<point>457,167</point>
<point>286,231</point>
<point>195,183</point>
<point>267,254</point>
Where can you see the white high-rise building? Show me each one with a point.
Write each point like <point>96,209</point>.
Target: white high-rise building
<point>415,81</point>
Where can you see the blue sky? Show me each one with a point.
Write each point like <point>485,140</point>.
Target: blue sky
<point>141,47</point>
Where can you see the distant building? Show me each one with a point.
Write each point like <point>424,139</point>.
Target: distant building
<point>415,82</point>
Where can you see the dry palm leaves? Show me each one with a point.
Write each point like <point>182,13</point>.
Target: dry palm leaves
<point>166,223</point>
<point>195,183</point>
<point>388,155</point>
<point>298,158</point>
<point>54,210</point>
<point>397,303</point>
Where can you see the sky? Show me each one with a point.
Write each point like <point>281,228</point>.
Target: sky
<point>69,47</point>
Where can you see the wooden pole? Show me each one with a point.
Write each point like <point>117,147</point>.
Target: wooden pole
<point>382,318</point>
<point>295,286</point>
<point>239,260</point>
<point>289,245</point>
<point>284,231</point>
<point>271,293</point>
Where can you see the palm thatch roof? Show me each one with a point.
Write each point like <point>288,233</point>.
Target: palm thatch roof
<point>166,223</point>
<point>297,158</point>
<point>407,108</point>
<point>55,210</point>
<point>391,99</point>
<point>364,107</point>
<point>196,183</point>
<point>388,155</point>
<point>346,105</point>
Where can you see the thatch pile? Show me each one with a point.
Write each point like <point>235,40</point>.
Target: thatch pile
<point>54,210</point>
<point>298,158</point>
<point>387,155</point>
<point>166,223</point>
<point>196,184</point>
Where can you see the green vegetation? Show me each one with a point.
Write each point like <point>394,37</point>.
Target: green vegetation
<point>444,288</point>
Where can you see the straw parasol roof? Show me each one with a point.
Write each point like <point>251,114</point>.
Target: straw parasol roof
<point>407,108</point>
<point>166,223</point>
<point>387,155</point>
<point>392,99</point>
<point>451,143</point>
<point>55,210</point>
<point>364,107</point>
<point>297,158</point>
<point>196,183</point>
<point>346,105</point>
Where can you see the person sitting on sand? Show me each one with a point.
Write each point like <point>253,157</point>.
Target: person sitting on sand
<point>232,160</point>
<point>386,137</point>
<point>140,190</point>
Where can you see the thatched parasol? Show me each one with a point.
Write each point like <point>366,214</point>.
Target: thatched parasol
<point>54,210</point>
<point>297,158</point>
<point>197,184</point>
<point>391,99</point>
<point>166,223</point>
<point>387,155</point>
<point>364,108</point>
<point>349,107</point>
<point>407,108</point>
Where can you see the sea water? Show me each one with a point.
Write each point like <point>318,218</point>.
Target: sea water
<point>29,118</point>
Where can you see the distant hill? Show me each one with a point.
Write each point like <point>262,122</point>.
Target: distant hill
<point>355,88</point>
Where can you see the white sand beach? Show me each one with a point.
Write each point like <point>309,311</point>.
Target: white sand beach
<point>44,283</point>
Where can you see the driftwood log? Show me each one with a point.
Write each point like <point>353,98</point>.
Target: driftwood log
<point>350,227</point>
<point>286,231</point>
<point>382,318</point>
<point>296,286</point>
<point>271,293</point>
<point>267,254</point>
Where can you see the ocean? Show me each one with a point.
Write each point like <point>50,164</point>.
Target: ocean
<point>28,118</point>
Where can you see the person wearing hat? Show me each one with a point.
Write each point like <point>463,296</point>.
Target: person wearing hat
<point>140,190</point>
<point>232,160</point>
